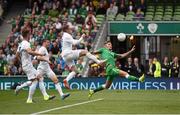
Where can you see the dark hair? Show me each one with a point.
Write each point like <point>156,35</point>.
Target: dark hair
<point>44,40</point>
<point>108,41</point>
<point>65,28</point>
<point>25,32</point>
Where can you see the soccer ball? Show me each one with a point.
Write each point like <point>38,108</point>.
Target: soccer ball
<point>121,37</point>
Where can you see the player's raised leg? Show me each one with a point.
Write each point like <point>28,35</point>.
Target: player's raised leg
<point>131,77</point>
<point>113,72</point>
<point>90,56</point>
<point>102,87</point>
<point>70,76</point>
<point>17,86</point>
<point>75,54</point>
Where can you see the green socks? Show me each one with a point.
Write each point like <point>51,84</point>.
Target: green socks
<point>132,78</point>
<point>99,88</point>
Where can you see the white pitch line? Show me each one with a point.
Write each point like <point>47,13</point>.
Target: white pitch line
<point>67,106</point>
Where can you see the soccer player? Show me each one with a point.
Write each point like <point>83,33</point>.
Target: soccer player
<point>69,54</point>
<point>111,70</point>
<point>44,69</point>
<point>23,54</point>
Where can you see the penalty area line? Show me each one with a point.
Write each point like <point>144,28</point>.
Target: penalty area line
<point>67,106</point>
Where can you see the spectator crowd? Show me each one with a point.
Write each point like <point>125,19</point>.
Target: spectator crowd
<point>153,67</point>
<point>45,19</point>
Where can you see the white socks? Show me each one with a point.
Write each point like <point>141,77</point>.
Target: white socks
<point>127,76</point>
<point>32,89</point>
<point>58,87</point>
<point>71,75</point>
<point>42,88</point>
<point>92,57</point>
<point>27,83</point>
<point>103,86</point>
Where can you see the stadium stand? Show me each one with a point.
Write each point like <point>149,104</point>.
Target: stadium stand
<point>46,22</point>
<point>46,18</point>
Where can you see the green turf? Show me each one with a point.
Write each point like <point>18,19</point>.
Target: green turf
<point>126,101</point>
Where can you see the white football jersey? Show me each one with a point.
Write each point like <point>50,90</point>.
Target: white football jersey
<point>44,51</point>
<point>25,57</point>
<point>67,42</point>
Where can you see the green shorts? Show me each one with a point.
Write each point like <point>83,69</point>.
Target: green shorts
<point>111,73</point>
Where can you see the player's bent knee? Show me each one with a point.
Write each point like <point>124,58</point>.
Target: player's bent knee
<point>83,52</point>
<point>29,83</point>
<point>41,79</point>
<point>55,79</point>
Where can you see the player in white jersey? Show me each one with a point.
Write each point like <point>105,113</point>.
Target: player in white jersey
<point>24,52</point>
<point>44,68</point>
<point>69,54</point>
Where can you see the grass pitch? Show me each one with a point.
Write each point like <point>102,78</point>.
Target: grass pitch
<point>111,102</point>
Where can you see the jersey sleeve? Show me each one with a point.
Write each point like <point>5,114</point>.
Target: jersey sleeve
<point>25,45</point>
<point>100,50</point>
<point>42,51</point>
<point>115,55</point>
<point>70,39</point>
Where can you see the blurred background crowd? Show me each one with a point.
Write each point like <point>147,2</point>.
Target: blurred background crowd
<point>45,19</point>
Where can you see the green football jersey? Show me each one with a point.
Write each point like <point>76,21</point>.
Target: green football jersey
<point>108,55</point>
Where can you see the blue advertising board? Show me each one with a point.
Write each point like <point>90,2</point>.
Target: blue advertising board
<point>94,82</point>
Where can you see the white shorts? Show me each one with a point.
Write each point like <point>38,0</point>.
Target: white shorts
<point>70,56</point>
<point>30,71</point>
<point>45,71</point>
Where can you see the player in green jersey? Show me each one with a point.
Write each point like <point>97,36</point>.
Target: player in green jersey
<point>111,70</point>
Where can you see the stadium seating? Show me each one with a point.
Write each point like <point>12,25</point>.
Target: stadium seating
<point>156,12</point>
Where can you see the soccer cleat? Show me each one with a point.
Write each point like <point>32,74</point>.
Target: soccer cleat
<point>16,91</point>
<point>142,78</point>
<point>66,84</point>
<point>64,96</point>
<point>16,88</point>
<point>46,98</point>
<point>91,92</point>
<point>29,101</point>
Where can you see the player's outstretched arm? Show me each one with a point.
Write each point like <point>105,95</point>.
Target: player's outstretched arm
<point>95,52</point>
<point>75,42</point>
<point>127,53</point>
<point>34,53</point>
<point>43,58</point>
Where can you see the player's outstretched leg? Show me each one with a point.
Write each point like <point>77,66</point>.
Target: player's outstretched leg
<point>68,78</point>
<point>92,57</point>
<point>66,84</point>
<point>131,77</point>
<point>102,87</point>
<point>17,86</point>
